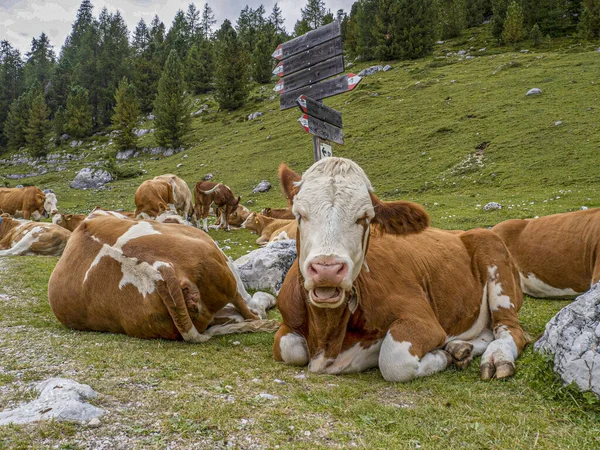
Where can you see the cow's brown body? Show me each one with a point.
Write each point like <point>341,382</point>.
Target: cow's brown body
<point>152,198</point>
<point>278,213</point>
<point>374,286</point>
<point>22,202</point>
<point>269,228</point>
<point>31,238</point>
<point>558,256</point>
<point>207,193</point>
<point>143,279</point>
<point>182,196</point>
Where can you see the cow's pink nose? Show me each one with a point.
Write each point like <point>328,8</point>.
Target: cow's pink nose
<point>325,273</point>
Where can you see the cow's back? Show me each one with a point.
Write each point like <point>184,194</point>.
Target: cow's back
<point>560,250</point>
<point>153,197</point>
<point>96,287</point>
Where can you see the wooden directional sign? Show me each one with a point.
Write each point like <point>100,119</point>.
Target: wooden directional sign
<point>321,129</point>
<point>308,40</point>
<point>321,90</point>
<point>309,58</point>
<point>319,111</point>
<point>310,75</point>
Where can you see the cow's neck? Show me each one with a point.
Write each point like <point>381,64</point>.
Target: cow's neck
<point>327,329</point>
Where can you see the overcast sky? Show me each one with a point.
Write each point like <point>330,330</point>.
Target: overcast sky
<point>22,20</point>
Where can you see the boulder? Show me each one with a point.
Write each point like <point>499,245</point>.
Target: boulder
<point>60,399</point>
<point>263,186</point>
<point>142,132</point>
<point>76,143</point>
<point>126,154</point>
<point>491,206</point>
<point>370,71</point>
<point>89,178</point>
<point>208,176</point>
<point>534,91</point>
<point>265,268</point>
<point>255,115</point>
<point>387,67</point>
<point>573,338</point>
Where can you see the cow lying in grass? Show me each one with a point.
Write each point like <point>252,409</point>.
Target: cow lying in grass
<point>19,238</point>
<point>278,213</point>
<point>374,286</point>
<point>269,229</point>
<point>558,256</point>
<point>148,280</point>
<point>236,218</point>
<point>28,202</point>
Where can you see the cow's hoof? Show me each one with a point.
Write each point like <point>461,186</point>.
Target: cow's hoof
<point>487,371</point>
<point>506,369</point>
<point>461,352</point>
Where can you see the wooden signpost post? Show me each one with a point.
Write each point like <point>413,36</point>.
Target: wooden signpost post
<point>306,66</point>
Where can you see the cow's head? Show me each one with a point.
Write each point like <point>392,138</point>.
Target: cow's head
<point>61,219</point>
<point>239,215</point>
<point>335,207</point>
<point>252,223</point>
<point>50,204</point>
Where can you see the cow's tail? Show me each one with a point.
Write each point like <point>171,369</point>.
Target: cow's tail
<point>248,326</point>
<point>210,191</point>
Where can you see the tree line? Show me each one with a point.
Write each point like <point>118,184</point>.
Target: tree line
<point>106,78</point>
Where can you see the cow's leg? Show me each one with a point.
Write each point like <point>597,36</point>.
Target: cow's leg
<point>504,300</point>
<point>241,305</point>
<point>596,272</point>
<point>289,347</point>
<point>411,349</point>
<point>172,296</point>
<point>463,352</point>
<point>205,208</point>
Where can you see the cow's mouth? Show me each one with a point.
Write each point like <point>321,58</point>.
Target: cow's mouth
<point>326,296</point>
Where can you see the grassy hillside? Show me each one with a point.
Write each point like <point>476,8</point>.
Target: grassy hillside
<point>450,132</point>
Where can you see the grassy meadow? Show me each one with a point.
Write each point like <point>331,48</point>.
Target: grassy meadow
<point>450,132</point>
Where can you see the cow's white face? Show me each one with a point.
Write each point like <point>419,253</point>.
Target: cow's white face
<point>58,219</point>
<point>334,207</point>
<point>50,204</point>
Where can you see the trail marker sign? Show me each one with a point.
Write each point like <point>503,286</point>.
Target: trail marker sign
<point>306,65</point>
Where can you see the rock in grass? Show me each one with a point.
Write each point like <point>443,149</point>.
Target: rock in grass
<point>208,176</point>
<point>263,186</point>
<point>60,399</point>
<point>255,115</point>
<point>534,91</point>
<point>268,396</point>
<point>492,206</point>
<point>265,268</point>
<point>94,423</point>
<point>370,71</point>
<point>573,338</point>
<point>126,154</point>
<point>387,67</point>
<point>89,178</point>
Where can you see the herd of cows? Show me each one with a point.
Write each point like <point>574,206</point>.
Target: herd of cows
<point>373,284</point>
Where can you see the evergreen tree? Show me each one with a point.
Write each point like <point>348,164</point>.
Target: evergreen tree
<point>589,27</point>
<point>499,8</point>
<point>59,124</point>
<point>178,36</point>
<point>383,30</point>
<point>477,12</point>
<point>550,15</point>
<point>172,106</point>
<point>364,19</point>
<point>192,19</point>
<point>141,38</point>
<point>301,27</point>
<point>262,61</point>
<point>39,67</point>
<point>78,115</point>
<point>536,36</point>
<point>207,21</point>
<point>513,25</point>
<point>276,19</point>
<point>148,62</point>
<point>199,67</point>
<point>314,13</point>
<point>11,82</point>
<point>126,115</point>
<point>453,17</point>
<point>415,28</point>
<point>16,122</point>
<point>231,77</point>
<point>38,126</point>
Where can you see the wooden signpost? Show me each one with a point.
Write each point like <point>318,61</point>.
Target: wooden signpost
<point>305,67</point>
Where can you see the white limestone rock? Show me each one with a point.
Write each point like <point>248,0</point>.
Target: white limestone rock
<point>534,91</point>
<point>573,338</point>
<point>492,206</point>
<point>91,179</point>
<point>60,399</point>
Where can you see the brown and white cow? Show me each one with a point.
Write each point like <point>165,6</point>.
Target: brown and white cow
<point>373,285</point>
<point>146,279</point>
<point>278,213</point>
<point>236,218</point>
<point>269,228</point>
<point>68,221</point>
<point>27,202</point>
<point>558,256</point>
<point>162,193</point>
<point>18,238</point>
<point>207,193</point>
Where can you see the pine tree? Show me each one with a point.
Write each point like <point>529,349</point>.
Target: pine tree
<point>59,124</point>
<point>314,13</point>
<point>78,114</point>
<point>148,61</point>
<point>364,20</point>
<point>536,36</point>
<point>141,38</point>
<point>589,27</point>
<point>262,61</point>
<point>477,11</point>
<point>207,21</point>
<point>16,122</point>
<point>192,19</point>
<point>383,30</point>
<point>276,19</point>
<point>499,8</point>
<point>178,36</point>
<point>231,77</point>
<point>39,67</point>
<point>415,28</point>
<point>11,82</point>
<point>301,27</point>
<point>550,15</point>
<point>199,67</point>
<point>125,118</point>
<point>453,17</point>
<point>513,25</point>
<point>38,126</point>
<point>172,106</point>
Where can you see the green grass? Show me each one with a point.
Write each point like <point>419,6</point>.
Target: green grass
<point>416,142</point>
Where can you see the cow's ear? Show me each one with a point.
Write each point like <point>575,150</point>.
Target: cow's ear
<point>238,200</point>
<point>68,216</point>
<point>399,217</point>
<point>287,178</point>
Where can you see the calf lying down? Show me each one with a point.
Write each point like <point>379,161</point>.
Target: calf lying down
<point>151,280</point>
<point>18,238</point>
